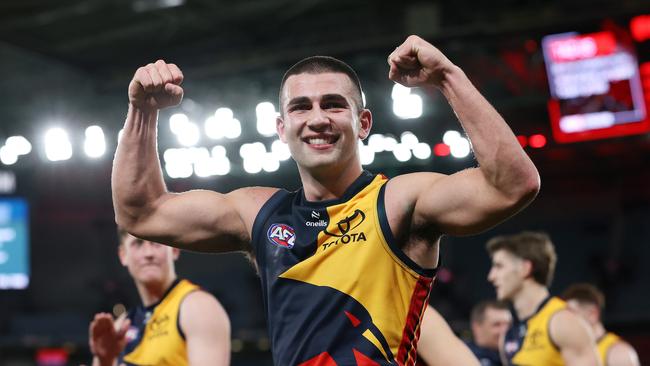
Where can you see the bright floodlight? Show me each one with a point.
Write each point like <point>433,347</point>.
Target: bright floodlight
<point>422,150</point>
<point>363,99</point>
<point>177,122</point>
<point>95,143</point>
<point>178,163</point>
<point>7,156</point>
<point>189,135</point>
<point>400,91</point>
<point>213,129</point>
<point>18,145</point>
<point>233,129</point>
<point>367,154</point>
<point>280,150</point>
<point>450,136</point>
<point>409,139</point>
<point>218,151</point>
<point>270,164</point>
<point>224,115</point>
<point>389,143</point>
<point>57,145</point>
<point>252,166</point>
<point>408,107</point>
<point>460,148</point>
<point>376,142</point>
<point>266,115</point>
<point>402,152</point>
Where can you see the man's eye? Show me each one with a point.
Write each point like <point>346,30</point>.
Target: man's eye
<point>333,105</point>
<point>299,107</point>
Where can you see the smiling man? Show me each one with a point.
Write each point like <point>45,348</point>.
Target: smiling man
<point>346,262</point>
<point>177,323</point>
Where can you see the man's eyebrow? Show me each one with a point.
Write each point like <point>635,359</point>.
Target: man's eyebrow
<point>334,97</point>
<point>298,100</point>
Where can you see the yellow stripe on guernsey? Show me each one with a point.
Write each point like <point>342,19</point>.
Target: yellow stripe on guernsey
<point>353,241</point>
<point>537,347</point>
<point>161,343</point>
<point>604,344</point>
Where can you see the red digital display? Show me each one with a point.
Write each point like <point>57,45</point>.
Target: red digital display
<point>597,88</point>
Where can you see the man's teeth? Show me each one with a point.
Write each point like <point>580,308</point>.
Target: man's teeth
<point>318,141</point>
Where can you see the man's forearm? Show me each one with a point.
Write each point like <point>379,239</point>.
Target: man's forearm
<point>137,180</point>
<point>501,159</point>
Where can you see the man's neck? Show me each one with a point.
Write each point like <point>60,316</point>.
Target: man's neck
<point>529,298</point>
<point>326,184</point>
<point>152,293</point>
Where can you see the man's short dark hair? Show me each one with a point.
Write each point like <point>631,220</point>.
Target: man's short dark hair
<point>585,293</point>
<point>121,235</point>
<point>478,311</point>
<point>535,247</point>
<point>320,65</point>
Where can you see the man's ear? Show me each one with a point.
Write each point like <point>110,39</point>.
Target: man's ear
<point>527,268</point>
<point>365,123</point>
<point>279,127</point>
<point>175,253</point>
<point>121,252</point>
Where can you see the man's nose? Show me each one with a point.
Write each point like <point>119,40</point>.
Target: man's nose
<point>318,119</point>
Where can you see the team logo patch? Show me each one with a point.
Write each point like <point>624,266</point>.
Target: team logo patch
<point>347,224</point>
<point>281,235</point>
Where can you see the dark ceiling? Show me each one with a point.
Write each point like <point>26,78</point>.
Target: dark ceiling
<point>72,59</point>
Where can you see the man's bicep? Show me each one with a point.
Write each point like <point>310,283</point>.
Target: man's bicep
<point>463,203</point>
<point>574,338</point>
<point>200,220</point>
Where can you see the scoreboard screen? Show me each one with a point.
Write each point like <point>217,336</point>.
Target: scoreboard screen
<point>598,87</point>
<point>14,243</point>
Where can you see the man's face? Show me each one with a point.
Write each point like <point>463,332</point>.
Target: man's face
<point>589,312</point>
<point>495,323</point>
<point>507,274</point>
<point>147,262</point>
<point>320,121</point>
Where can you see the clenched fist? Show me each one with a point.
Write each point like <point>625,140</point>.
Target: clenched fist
<point>156,86</point>
<point>417,62</point>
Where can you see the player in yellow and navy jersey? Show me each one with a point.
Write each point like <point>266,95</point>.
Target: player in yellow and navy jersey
<point>543,332</point>
<point>177,324</point>
<point>346,262</point>
<point>588,301</point>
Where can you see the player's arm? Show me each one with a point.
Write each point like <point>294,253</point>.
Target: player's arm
<point>207,330</point>
<point>198,220</point>
<point>574,339</point>
<point>622,354</point>
<point>475,199</point>
<point>438,345</point>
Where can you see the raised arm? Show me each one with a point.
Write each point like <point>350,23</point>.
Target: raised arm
<point>207,330</point>
<point>107,338</point>
<point>475,199</point>
<point>574,339</point>
<point>197,220</point>
<point>438,345</point>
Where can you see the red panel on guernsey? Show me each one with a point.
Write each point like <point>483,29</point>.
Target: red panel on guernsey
<point>324,359</point>
<point>406,354</point>
<point>363,360</point>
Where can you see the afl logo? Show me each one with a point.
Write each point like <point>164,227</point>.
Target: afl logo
<point>281,235</point>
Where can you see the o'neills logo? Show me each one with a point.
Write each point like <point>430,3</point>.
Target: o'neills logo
<point>319,223</point>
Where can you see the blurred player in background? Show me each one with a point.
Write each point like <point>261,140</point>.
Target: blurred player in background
<point>176,324</point>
